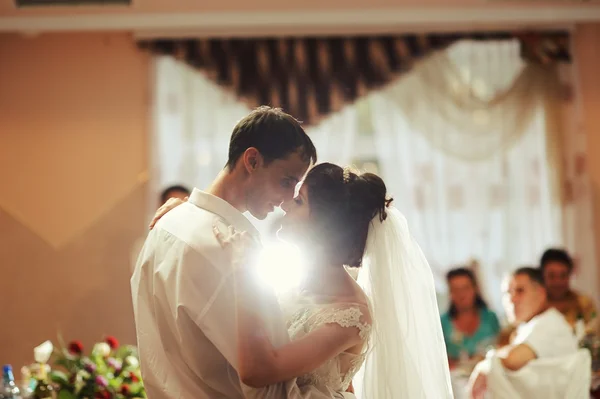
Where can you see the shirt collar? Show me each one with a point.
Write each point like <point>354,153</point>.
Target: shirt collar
<point>223,209</point>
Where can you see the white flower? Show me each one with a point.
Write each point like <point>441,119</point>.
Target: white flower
<point>83,375</point>
<point>132,362</point>
<point>42,353</point>
<point>102,349</point>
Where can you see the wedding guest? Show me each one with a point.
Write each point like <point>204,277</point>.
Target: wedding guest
<point>469,325</point>
<point>176,191</point>
<point>557,268</point>
<point>542,330</point>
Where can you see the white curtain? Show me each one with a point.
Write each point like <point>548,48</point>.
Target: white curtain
<point>484,155</point>
<point>193,120</point>
<point>472,177</point>
<point>498,211</point>
<point>464,142</point>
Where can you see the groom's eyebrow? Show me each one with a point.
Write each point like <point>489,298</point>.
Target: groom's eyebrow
<point>293,178</point>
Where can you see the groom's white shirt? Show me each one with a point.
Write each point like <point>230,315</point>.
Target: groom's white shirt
<point>184,308</point>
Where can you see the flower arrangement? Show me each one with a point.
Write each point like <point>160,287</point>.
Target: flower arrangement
<point>110,371</point>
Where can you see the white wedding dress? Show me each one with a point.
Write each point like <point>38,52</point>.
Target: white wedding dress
<point>404,354</point>
<point>305,313</point>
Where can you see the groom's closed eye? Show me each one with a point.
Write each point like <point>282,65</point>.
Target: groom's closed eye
<point>289,182</point>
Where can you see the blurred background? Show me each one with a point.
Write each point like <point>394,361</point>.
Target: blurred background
<point>481,116</point>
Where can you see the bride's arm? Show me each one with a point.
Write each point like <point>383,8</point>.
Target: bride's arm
<point>261,364</point>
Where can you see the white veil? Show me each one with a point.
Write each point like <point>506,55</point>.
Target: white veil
<point>408,357</point>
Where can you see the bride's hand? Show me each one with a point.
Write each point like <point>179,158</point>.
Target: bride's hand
<point>166,207</point>
<point>242,246</point>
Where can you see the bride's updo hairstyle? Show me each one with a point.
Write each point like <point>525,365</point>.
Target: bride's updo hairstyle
<point>342,206</point>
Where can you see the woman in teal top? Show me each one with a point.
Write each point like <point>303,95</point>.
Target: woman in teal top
<point>469,326</point>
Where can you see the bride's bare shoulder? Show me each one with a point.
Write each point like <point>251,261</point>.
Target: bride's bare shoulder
<point>358,293</point>
<point>359,300</point>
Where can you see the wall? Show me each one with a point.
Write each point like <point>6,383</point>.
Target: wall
<point>7,7</point>
<point>73,124</point>
<point>586,50</point>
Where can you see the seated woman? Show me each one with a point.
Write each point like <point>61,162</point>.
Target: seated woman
<point>469,326</point>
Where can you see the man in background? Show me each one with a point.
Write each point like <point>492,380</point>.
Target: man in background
<point>176,191</point>
<point>542,331</point>
<point>557,268</point>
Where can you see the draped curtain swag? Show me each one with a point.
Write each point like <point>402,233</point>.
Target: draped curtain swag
<point>311,77</point>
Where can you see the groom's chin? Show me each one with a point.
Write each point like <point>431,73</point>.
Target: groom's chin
<point>259,215</point>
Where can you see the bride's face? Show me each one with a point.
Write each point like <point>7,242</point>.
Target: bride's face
<point>295,222</point>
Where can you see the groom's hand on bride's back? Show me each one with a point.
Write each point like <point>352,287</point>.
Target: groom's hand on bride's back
<point>166,207</point>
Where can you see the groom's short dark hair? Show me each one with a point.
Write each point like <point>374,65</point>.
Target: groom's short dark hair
<point>273,133</point>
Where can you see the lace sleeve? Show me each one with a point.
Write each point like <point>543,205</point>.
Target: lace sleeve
<point>337,373</point>
<point>347,317</point>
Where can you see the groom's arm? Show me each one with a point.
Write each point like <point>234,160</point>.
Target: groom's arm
<point>260,364</point>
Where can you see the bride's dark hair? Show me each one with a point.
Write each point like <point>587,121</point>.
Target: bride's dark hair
<point>342,206</point>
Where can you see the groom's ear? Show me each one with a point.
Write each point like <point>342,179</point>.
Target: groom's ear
<point>252,159</point>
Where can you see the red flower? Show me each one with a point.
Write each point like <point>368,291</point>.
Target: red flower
<point>76,347</point>
<point>133,377</point>
<point>125,390</point>
<point>112,342</point>
<point>103,395</point>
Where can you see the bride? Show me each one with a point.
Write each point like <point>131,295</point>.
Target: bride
<point>379,336</point>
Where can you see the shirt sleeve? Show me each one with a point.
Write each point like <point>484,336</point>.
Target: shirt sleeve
<point>537,341</point>
<point>549,336</point>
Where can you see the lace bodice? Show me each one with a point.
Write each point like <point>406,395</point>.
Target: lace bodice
<point>305,314</point>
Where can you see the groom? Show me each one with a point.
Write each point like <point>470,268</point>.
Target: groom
<point>183,294</point>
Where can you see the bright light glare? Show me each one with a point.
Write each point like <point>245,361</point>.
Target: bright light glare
<point>280,266</point>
